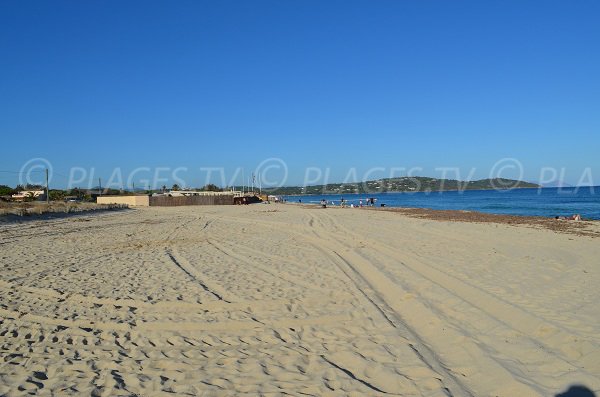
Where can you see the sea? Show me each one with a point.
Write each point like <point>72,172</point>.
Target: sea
<point>546,202</point>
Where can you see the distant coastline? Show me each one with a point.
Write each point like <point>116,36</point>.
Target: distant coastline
<point>402,185</point>
<point>415,191</point>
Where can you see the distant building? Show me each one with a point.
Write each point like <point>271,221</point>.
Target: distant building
<point>29,194</point>
<point>188,193</point>
<point>169,199</point>
<point>274,198</point>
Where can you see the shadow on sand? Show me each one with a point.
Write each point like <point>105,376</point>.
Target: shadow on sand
<point>577,391</point>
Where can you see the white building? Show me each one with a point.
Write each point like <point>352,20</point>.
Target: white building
<point>29,194</point>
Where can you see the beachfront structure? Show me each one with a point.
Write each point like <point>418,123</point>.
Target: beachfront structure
<point>189,193</point>
<point>169,199</point>
<point>29,194</point>
<point>132,201</point>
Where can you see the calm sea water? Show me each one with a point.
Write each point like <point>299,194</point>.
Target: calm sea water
<point>548,202</point>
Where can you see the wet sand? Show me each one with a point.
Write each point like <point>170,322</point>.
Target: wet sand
<point>589,228</point>
<point>285,300</point>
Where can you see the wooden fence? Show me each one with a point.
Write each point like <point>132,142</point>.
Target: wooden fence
<point>166,201</point>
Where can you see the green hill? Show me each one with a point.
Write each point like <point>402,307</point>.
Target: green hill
<point>405,184</point>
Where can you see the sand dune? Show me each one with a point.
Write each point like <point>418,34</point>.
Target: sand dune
<point>285,300</point>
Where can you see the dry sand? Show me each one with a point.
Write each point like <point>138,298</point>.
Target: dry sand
<point>285,300</point>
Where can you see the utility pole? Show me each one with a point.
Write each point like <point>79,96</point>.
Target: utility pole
<point>100,186</point>
<point>47,189</point>
<point>133,187</point>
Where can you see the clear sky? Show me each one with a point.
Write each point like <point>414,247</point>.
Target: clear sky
<point>329,84</point>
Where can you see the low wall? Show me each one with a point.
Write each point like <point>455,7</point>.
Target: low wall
<point>139,201</point>
<point>166,201</point>
<point>246,200</point>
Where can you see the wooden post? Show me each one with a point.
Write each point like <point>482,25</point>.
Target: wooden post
<point>47,189</point>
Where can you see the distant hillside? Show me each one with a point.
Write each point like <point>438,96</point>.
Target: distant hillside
<point>405,184</point>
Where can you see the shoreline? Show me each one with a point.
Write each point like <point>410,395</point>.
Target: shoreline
<point>557,225</point>
<point>522,202</point>
<point>581,228</point>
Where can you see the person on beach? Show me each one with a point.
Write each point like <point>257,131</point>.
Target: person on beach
<point>575,217</point>
<point>323,203</point>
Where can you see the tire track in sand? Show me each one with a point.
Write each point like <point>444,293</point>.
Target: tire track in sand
<point>184,265</point>
<point>425,327</point>
<point>428,317</point>
<point>509,315</point>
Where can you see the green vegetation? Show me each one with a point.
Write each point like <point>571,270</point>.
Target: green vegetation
<point>6,190</point>
<point>56,195</point>
<point>39,208</point>
<point>405,184</point>
<point>211,187</point>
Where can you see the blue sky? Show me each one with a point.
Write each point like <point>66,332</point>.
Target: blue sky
<point>337,85</point>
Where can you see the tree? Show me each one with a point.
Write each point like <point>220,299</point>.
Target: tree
<point>111,192</point>
<point>77,193</point>
<point>6,190</point>
<point>211,187</point>
<point>56,195</point>
<point>175,187</point>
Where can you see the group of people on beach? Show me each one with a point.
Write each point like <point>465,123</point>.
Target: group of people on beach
<point>575,217</point>
<point>344,203</point>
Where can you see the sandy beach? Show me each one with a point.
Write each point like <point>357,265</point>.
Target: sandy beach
<point>289,300</point>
